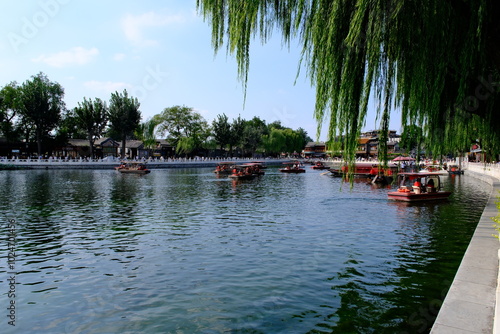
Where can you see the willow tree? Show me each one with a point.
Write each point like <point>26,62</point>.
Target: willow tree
<point>92,116</point>
<point>436,61</point>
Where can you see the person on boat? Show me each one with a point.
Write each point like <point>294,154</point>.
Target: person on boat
<point>430,186</point>
<point>418,185</point>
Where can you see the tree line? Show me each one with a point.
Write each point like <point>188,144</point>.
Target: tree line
<point>35,112</point>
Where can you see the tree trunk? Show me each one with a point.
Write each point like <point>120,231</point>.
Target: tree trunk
<point>91,144</point>
<point>123,146</point>
<point>39,141</point>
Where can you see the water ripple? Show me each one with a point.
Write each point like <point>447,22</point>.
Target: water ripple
<point>184,251</point>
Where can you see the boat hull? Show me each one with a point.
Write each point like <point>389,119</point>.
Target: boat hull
<point>134,171</point>
<point>293,171</point>
<point>414,197</point>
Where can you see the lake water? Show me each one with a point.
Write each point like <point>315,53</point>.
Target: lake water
<point>183,251</point>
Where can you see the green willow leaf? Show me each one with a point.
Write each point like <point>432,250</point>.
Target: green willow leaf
<point>435,62</point>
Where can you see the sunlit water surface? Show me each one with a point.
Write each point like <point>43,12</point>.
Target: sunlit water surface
<point>183,251</point>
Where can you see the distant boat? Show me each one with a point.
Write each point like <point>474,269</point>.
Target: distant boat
<point>225,167</point>
<point>132,168</point>
<point>319,165</point>
<point>455,170</point>
<point>243,172</point>
<point>365,169</point>
<point>292,167</point>
<point>435,169</point>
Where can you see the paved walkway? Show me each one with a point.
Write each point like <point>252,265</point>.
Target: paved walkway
<point>471,302</point>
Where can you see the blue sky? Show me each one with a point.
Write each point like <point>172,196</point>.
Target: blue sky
<point>160,51</point>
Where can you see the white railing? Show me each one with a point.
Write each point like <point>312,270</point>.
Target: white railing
<point>490,169</point>
<point>112,160</point>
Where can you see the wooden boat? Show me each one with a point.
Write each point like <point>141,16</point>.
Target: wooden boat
<point>365,169</point>
<point>455,170</point>
<point>261,163</point>
<point>132,168</point>
<point>225,167</point>
<point>434,169</point>
<point>292,167</point>
<point>420,186</point>
<point>254,168</point>
<point>242,172</point>
<point>319,165</point>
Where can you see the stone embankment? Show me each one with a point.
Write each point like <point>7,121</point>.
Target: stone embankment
<point>110,163</point>
<point>472,304</point>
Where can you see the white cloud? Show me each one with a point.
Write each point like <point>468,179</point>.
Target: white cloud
<point>74,56</point>
<point>133,26</point>
<point>106,86</point>
<point>119,56</point>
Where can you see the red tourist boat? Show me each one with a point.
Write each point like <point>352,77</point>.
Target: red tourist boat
<point>132,168</point>
<point>319,165</point>
<point>292,167</point>
<point>225,167</point>
<point>365,169</point>
<point>415,187</point>
<point>256,168</point>
<point>242,172</point>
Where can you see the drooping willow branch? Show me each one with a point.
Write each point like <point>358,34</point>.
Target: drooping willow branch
<point>427,59</point>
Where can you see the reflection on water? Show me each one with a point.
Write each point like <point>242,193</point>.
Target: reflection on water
<point>187,251</point>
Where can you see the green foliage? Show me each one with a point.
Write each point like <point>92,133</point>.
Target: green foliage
<point>41,104</point>
<point>436,61</point>
<point>68,127</point>
<point>124,116</point>
<point>252,134</point>
<point>284,140</point>
<point>496,219</point>
<point>411,138</point>
<point>186,145</point>
<point>221,130</point>
<point>10,107</point>
<point>237,128</point>
<point>92,117</point>
<point>180,122</point>
<point>146,132</point>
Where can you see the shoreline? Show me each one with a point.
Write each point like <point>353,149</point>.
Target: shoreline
<point>472,304</point>
<point>19,164</point>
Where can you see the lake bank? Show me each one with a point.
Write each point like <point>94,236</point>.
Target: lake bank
<point>472,302</point>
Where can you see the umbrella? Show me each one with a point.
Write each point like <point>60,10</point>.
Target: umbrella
<point>401,158</point>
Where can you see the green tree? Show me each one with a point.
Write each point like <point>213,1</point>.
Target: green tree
<point>235,138</point>
<point>221,130</point>
<point>305,137</point>
<point>411,138</point>
<point>10,107</point>
<point>124,117</point>
<point>252,134</point>
<point>294,141</point>
<point>283,140</point>
<point>68,128</point>
<point>181,122</point>
<point>442,70</point>
<point>41,106</point>
<point>92,117</point>
<point>146,132</point>
<point>275,142</point>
